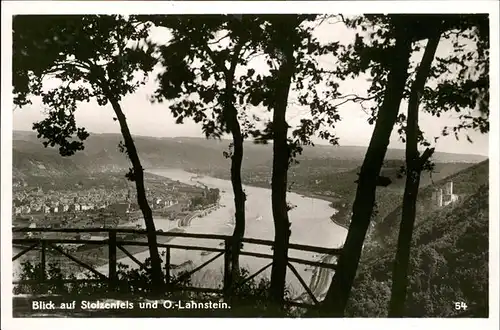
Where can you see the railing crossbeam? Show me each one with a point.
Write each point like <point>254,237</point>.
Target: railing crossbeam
<point>301,280</point>
<point>20,254</point>
<point>293,246</point>
<point>188,274</point>
<point>79,262</point>
<point>313,263</point>
<point>130,255</point>
<point>239,285</point>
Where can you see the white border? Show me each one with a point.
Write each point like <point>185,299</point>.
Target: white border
<point>239,7</point>
<point>148,7</point>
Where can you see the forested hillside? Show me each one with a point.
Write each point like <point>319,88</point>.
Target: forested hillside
<point>449,262</point>
<point>388,199</point>
<point>465,183</point>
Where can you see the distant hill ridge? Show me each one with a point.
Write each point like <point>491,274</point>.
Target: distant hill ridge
<point>101,153</point>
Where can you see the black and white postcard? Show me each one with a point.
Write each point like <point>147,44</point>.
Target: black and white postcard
<point>328,161</point>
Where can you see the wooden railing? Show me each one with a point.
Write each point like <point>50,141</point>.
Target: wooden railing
<point>113,244</point>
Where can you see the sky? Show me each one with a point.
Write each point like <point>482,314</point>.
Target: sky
<point>147,119</point>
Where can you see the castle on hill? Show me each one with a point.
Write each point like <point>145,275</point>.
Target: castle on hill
<point>443,197</point>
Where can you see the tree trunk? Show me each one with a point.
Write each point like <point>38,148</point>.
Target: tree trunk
<point>281,155</point>
<point>340,288</point>
<point>414,165</point>
<point>231,118</point>
<point>239,195</point>
<point>157,274</point>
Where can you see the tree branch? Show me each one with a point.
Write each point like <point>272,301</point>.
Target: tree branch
<point>355,99</point>
<point>218,40</point>
<point>60,66</point>
<point>220,67</point>
<point>425,157</point>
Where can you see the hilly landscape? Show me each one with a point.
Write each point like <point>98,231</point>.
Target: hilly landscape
<point>191,154</point>
<point>327,172</point>
<point>449,260</point>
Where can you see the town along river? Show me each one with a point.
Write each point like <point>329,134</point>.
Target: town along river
<point>310,225</point>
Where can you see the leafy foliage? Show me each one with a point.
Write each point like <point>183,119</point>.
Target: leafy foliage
<point>252,298</point>
<point>85,57</point>
<point>131,281</point>
<point>464,68</point>
<point>309,80</point>
<point>195,74</point>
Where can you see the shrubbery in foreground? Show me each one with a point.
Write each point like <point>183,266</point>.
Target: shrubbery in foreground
<point>248,300</point>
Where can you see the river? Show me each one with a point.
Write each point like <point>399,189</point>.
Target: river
<point>310,225</point>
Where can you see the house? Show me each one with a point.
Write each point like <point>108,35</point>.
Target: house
<point>63,207</point>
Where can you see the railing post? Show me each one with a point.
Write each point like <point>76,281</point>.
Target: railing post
<point>167,266</point>
<point>112,260</point>
<point>227,268</point>
<point>42,261</point>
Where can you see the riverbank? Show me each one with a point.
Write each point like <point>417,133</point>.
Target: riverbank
<point>186,221</point>
<point>341,208</point>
